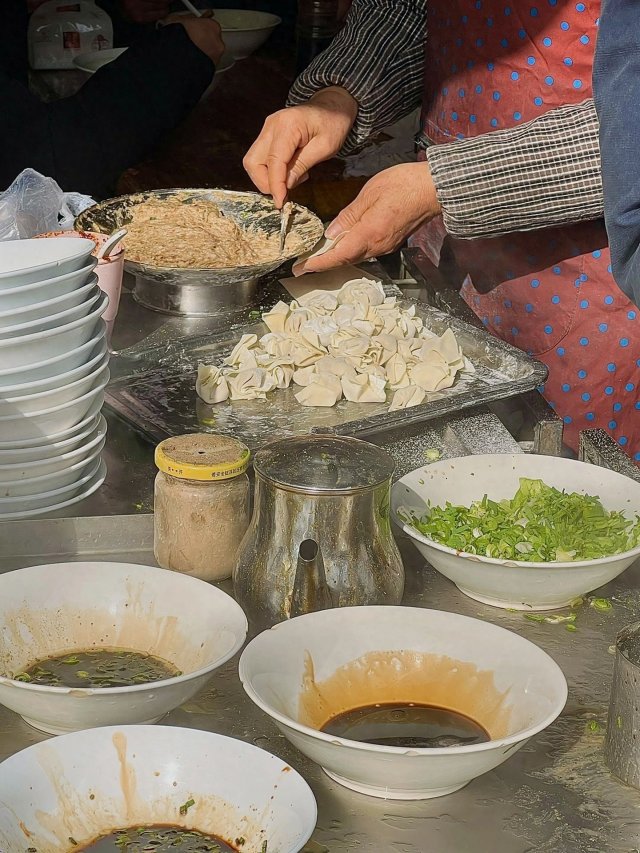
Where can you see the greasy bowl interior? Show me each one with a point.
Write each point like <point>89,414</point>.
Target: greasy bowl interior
<point>305,671</point>
<point>53,609</point>
<point>249,210</point>
<point>513,583</point>
<point>88,783</point>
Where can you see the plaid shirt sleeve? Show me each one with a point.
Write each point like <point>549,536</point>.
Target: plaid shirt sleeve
<point>542,173</point>
<point>378,57</point>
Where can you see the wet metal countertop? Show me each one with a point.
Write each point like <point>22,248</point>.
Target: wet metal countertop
<point>554,796</point>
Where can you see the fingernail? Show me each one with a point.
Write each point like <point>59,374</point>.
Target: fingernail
<point>298,270</point>
<point>333,229</point>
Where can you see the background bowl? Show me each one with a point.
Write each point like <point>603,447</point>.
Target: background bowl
<point>513,584</point>
<point>43,423</point>
<point>25,295</point>
<point>51,440</point>
<point>40,481</point>
<point>73,786</point>
<point>55,319</point>
<point>245,30</point>
<point>26,404</point>
<point>32,350</point>
<point>401,654</point>
<point>27,463</point>
<point>56,365</point>
<point>94,355</point>
<point>42,501</point>
<point>73,606</point>
<point>63,498</point>
<point>48,307</point>
<point>28,261</point>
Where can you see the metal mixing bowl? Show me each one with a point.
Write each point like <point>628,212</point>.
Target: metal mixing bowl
<point>206,292</point>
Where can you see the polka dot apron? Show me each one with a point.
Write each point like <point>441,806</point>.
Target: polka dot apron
<point>497,63</point>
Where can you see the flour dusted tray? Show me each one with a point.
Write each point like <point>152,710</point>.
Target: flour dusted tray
<point>158,396</point>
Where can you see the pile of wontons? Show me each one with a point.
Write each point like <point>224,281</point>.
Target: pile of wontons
<point>354,343</point>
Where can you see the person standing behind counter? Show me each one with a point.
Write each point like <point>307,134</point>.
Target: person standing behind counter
<point>510,136</point>
<point>86,141</point>
<point>616,85</point>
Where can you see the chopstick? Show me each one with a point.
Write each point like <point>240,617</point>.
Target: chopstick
<point>189,5</point>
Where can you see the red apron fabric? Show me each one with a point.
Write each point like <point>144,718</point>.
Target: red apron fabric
<point>493,64</point>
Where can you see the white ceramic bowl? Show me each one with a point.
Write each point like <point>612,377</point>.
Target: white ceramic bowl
<point>401,654</point>
<point>26,261</point>
<point>49,307</point>
<point>28,294</point>
<point>40,442</point>
<point>26,404</point>
<point>57,365</point>
<point>43,423</point>
<point>244,30</point>
<point>43,501</point>
<point>73,606</point>
<point>95,355</point>
<point>54,320</point>
<point>31,350</point>
<point>38,481</point>
<point>27,463</point>
<point>66,498</point>
<point>73,786</point>
<point>514,584</point>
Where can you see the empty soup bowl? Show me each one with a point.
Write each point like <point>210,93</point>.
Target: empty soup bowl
<point>73,611</point>
<point>60,795</point>
<point>497,689</point>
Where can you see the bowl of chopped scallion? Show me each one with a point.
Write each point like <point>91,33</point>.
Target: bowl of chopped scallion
<point>521,531</point>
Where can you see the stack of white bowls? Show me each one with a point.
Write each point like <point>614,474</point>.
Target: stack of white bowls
<point>53,372</point>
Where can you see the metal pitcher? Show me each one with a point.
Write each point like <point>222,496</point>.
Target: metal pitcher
<point>334,491</point>
<point>621,746</point>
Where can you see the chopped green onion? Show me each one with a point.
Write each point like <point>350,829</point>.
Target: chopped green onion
<point>432,455</point>
<point>184,808</point>
<point>601,604</point>
<point>539,524</point>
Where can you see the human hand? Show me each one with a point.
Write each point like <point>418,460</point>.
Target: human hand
<point>205,33</point>
<point>295,139</point>
<point>145,11</point>
<point>390,207</point>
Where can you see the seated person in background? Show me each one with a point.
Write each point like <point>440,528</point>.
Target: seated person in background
<point>616,87</point>
<point>86,141</point>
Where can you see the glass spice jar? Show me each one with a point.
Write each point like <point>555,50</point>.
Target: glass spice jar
<point>201,504</point>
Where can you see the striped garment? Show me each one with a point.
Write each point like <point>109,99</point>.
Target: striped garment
<point>543,173</point>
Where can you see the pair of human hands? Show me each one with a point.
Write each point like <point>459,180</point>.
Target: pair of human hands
<point>392,205</point>
<point>204,32</point>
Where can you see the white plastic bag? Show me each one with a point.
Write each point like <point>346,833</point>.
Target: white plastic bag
<point>60,31</point>
<point>34,204</point>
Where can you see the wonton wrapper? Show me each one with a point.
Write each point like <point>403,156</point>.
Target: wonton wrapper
<point>431,375</point>
<point>241,356</point>
<point>361,291</point>
<point>211,384</point>
<point>250,384</point>
<point>365,388</point>
<point>276,318</point>
<point>404,398</point>
<point>305,375</point>
<point>320,301</point>
<point>324,327</point>
<point>326,390</point>
<point>397,375</point>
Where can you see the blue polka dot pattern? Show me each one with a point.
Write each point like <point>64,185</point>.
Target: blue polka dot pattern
<point>608,300</point>
<point>582,374</point>
<point>549,80</point>
<point>585,39</point>
<point>609,390</point>
<point>612,424</point>
<point>496,96</point>
<point>555,299</point>
<point>631,315</point>
<point>617,407</point>
<point>584,303</point>
<point>586,396</point>
<point>590,416</point>
<point>494,122</point>
<point>517,116</point>
<point>531,60</point>
<point>556,270</point>
<point>580,7</point>
<point>567,419</point>
<point>564,25</point>
<point>623,440</point>
<point>548,330</point>
<point>602,327</point>
<point>547,42</point>
<point>629,386</point>
<point>566,387</point>
<point>478,90</point>
<point>535,282</point>
<point>577,84</point>
<point>514,76</point>
<point>473,118</point>
<point>584,342</point>
<point>533,12</point>
<point>538,102</point>
<point>568,61</point>
<point>560,351</point>
<point>624,342</point>
<point>504,42</point>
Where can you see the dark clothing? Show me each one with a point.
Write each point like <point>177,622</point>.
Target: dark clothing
<point>86,141</point>
<point>616,85</point>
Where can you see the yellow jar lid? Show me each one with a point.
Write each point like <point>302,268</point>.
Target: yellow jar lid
<point>202,456</point>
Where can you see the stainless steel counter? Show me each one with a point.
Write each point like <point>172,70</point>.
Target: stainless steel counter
<point>554,796</point>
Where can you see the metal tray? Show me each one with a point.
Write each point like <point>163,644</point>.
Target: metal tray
<point>160,399</point>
